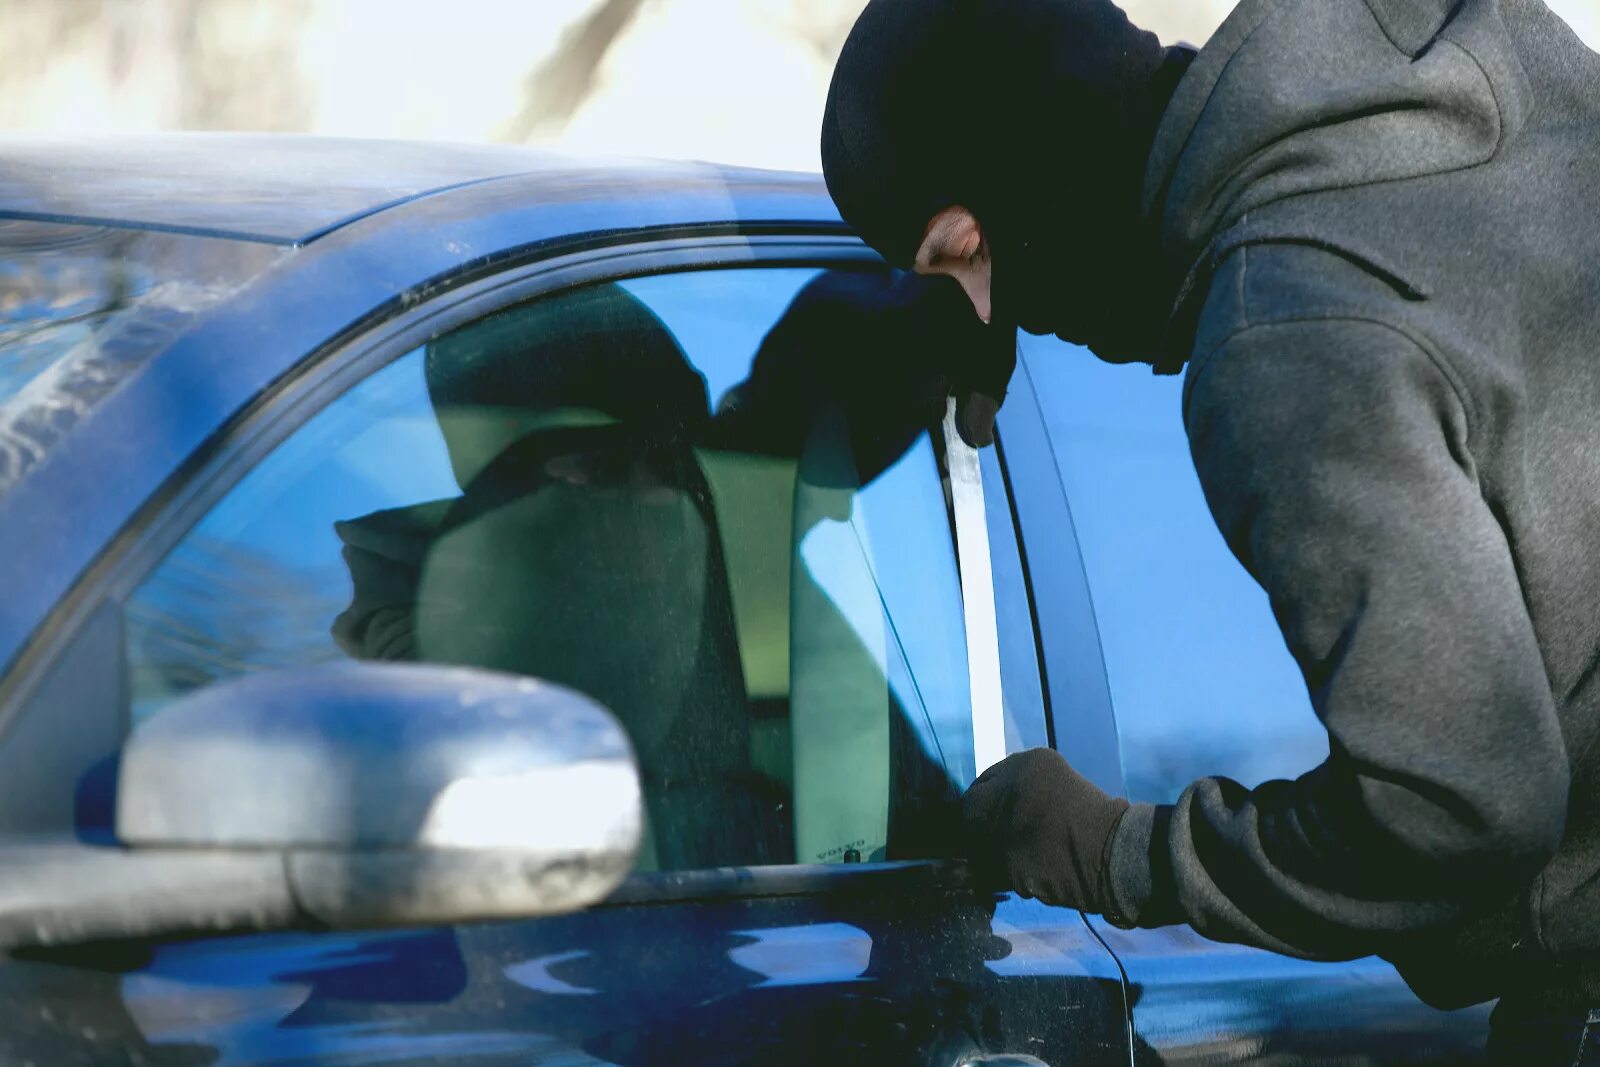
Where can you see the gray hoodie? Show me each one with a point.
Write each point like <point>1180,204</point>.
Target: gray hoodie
<point>1385,216</point>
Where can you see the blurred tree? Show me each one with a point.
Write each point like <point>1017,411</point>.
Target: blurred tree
<point>216,610</point>
<point>162,64</point>
<point>556,88</point>
<point>240,65</point>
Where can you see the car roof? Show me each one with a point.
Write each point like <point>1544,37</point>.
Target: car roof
<point>274,188</point>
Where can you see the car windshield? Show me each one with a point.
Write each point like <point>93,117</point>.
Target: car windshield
<point>82,306</point>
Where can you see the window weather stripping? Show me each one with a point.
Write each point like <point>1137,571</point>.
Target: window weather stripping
<point>977,596</point>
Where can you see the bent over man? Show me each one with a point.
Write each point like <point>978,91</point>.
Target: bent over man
<point>1366,233</point>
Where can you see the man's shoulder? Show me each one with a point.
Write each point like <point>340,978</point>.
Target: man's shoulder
<point>1305,305</point>
<point>1278,280</point>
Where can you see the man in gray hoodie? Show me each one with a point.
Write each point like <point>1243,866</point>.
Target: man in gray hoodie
<point>1368,234</point>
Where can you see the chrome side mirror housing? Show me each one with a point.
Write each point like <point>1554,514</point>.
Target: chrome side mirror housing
<point>349,795</point>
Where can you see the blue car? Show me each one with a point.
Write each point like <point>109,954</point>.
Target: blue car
<point>456,611</point>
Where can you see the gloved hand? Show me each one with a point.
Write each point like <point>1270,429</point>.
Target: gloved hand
<point>1035,825</point>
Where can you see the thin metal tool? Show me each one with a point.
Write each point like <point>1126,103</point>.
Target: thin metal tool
<point>977,596</point>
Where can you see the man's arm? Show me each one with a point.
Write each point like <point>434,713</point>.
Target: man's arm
<point>384,552</point>
<point>887,349</point>
<point>1335,457</point>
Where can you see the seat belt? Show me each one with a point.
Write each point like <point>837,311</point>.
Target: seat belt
<point>977,596</point>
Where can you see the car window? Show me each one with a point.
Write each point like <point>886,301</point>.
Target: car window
<point>1201,681</point>
<point>582,489</point>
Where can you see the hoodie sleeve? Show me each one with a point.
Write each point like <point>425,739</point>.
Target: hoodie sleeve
<point>384,553</point>
<point>1334,456</point>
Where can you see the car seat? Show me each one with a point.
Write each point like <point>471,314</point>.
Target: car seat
<point>585,550</point>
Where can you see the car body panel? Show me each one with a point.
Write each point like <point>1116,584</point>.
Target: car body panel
<point>1195,1001</point>
<point>894,969</point>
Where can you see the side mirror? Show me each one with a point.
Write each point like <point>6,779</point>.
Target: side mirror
<point>352,795</point>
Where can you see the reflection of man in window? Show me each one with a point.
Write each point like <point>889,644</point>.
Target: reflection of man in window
<point>586,549</point>
<point>582,550</point>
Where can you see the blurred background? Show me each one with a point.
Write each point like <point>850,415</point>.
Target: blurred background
<point>737,81</point>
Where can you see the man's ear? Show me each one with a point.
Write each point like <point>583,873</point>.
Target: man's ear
<point>967,223</point>
<point>967,231</point>
<point>952,227</point>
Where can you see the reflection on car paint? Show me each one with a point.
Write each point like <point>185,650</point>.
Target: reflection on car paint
<point>536,975</point>
<point>277,1000</point>
<point>1196,1001</point>
<point>829,952</point>
<point>1043,940</point>
<point>171,1011</point>
<point>889,975</point>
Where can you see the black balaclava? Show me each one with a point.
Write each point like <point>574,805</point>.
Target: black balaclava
<point>1036,115</point>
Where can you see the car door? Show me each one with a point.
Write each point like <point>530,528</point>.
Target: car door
<point>1177,656</point>
<point>629,481</point>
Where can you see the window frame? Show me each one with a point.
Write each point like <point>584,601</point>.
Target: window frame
<point>1078,704</point>
<point>322,378</point>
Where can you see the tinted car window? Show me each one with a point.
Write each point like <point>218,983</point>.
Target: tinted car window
<point>1201,682</point>
<point>551,490</point>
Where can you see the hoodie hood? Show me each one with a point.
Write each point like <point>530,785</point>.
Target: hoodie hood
<point>1036,115</point>
<point>597,356</point>
<point>1297,111</point>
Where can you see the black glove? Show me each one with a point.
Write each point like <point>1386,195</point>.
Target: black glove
<point>1035,825</point>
